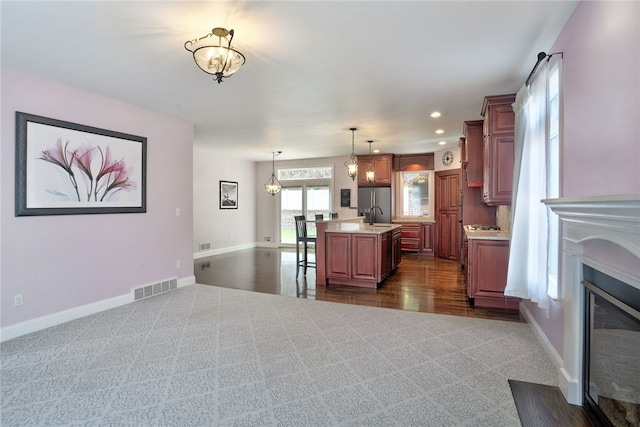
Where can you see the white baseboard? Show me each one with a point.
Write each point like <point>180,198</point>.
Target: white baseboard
<point>37,324</point>
<point>267,245</point>
<point>567,385</point>
<point>212,252</point>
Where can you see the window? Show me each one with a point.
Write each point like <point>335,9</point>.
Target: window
<point>535,240</point>
<point>413,189</point>
<point>298,174</point>
<point>553,174</point>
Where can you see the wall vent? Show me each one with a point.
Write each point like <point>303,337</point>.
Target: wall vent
<point>205,246</point>
<point>154,289</point>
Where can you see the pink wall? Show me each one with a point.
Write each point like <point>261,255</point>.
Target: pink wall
<point>601,113</point>
<point>62,262</point>
<point>601,139</point>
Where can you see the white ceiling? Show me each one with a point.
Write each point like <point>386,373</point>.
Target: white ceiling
<point>314,68</point>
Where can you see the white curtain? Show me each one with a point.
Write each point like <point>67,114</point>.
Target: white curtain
<point>528,251</point>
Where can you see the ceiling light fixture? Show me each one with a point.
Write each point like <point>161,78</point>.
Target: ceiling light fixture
<point>371,173</point>
<point>439,131</point>
<point>352,164</point>
<point>220,60</point>
<point>436,114</point>
<point>273,186</point>
<point>442,142</point>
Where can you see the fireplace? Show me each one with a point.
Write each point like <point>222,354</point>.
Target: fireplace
<point>612,350</point>
<point>600,289</point>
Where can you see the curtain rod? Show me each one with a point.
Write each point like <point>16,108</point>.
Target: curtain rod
<point>541,57</point>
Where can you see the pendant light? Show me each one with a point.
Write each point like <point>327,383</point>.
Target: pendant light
<point>273,186</point>
<point>371,173</point>
<point>352,164</point>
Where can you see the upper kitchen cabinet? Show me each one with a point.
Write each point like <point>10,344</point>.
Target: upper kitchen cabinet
<point>498,158</point>
<point>413,162</point>
<point>381,164</point>
<point>472,161</point>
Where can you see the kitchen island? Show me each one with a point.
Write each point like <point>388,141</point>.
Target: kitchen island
<point>350,252</point>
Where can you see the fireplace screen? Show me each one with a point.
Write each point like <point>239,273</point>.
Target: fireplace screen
<point>612,352</point>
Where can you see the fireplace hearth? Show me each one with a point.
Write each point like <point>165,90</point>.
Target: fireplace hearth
<point>612,350</point>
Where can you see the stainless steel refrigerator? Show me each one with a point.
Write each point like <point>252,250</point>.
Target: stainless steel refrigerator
<point>375,196</point>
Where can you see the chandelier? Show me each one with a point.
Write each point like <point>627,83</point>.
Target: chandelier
<point>216,57</point>
<point>273,186</point>
<point>371,173</point>
<point>352,164</point>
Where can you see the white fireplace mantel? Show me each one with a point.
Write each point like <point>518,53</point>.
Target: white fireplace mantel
<point>586,223</point>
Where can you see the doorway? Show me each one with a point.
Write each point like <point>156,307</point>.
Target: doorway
<point>302,199</point>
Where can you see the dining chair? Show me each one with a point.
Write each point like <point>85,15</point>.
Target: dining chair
<point>304,239</point>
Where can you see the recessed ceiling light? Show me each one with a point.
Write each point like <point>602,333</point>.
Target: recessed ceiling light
<point>442,142</point>
<point>376,151</point>
<point>436,114</point>
<point>439,131</point>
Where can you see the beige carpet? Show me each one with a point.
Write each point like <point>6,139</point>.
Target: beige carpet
<point>211,356</point>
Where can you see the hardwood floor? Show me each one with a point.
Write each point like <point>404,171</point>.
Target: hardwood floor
<point>542,405</point>
<point>421,283</point>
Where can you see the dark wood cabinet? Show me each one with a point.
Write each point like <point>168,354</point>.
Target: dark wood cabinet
<point>449,237</point>
<point>397,248</point>
<point>409,162</point>
<point>426,241</point>
<point>498,154</point>
<point>411,237</point>
<point>487,274</point>
<point>337,255</point>
<point>381,164</point>
<point>364,256</point>
<point>417,237</point>
<point>448,225</point>
<point>474,209</point>
<point>361,259</point>
<point>472,162</point>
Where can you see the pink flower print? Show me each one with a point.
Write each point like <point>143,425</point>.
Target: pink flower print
<point>112,177</point>
<point>84,157</point>
<point>118,180</point>
<point>64,158</point>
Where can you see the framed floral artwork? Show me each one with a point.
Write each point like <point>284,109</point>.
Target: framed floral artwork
<point>66,168</point>
<point>228,195</point>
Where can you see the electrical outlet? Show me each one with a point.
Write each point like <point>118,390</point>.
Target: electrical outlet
<point>18,300</point>
<point>178,264</point>
<point>267,238</point>
<point>178,212</point>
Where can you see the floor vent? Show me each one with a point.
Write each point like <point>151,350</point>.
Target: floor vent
<point>154,289</point>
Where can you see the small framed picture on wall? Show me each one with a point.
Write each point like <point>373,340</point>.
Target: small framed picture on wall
<point>228,195</point>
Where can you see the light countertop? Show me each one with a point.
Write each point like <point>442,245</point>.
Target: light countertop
<point>486,234</point>
<point>413,220</point>
<point>360,228</point>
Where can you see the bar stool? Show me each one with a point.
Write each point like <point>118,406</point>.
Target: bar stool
<point>319,217</point>
<point>302,237</point>
<point>334,215</point>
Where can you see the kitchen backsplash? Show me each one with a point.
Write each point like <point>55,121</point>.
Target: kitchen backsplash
<point>503,217</point>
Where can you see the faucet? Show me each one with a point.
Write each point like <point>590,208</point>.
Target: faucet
<point>372,214</point>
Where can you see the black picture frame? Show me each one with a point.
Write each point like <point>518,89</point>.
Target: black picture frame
<point>65,168</point>
<point>228,195</point>
<point>345,197</point>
